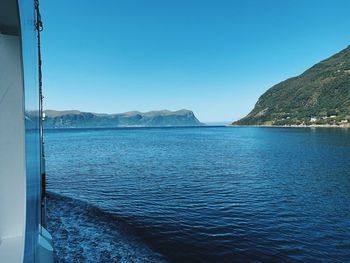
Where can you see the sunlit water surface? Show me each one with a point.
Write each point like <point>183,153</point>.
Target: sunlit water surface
<point>214,194</point>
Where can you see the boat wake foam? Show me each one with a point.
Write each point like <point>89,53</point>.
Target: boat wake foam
<point>84,233</point>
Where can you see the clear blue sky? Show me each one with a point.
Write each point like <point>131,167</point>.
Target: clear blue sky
<point>215,57</point>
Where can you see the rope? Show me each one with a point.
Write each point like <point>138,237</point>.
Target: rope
<point>39,28</point>
<point>39,23</point>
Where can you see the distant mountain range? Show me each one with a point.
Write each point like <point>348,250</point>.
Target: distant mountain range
<point>78,119</point>
<point>319,96</point>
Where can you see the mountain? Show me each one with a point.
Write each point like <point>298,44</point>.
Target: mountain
<point>320,95</point>
<point>78,119</point>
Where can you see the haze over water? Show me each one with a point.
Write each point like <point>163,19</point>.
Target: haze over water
<point>215,194</point>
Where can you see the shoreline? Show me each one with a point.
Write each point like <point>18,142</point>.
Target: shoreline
<point>342,126</point>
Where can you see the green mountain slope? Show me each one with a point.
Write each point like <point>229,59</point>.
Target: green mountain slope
<point>77,119</point>
<point>320,95</point>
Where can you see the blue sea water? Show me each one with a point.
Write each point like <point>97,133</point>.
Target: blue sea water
<point>214,194</point>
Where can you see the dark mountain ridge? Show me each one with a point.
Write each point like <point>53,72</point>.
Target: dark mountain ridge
<point>78,119</point>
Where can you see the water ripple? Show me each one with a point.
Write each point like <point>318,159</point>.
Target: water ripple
<point>215,194</point>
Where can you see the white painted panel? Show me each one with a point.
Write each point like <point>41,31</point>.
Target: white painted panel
<point>12,149</point>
